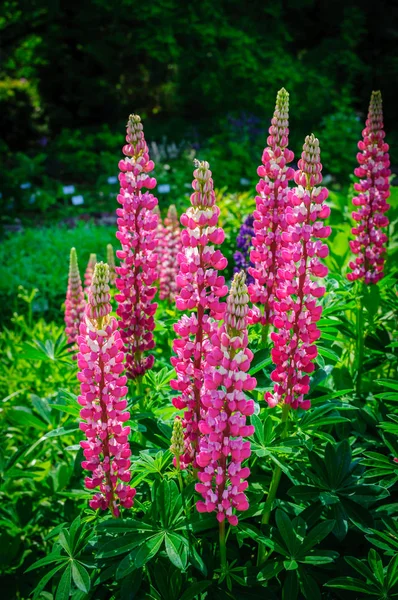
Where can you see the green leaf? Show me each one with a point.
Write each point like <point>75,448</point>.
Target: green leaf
<point>316,535</point>
<point>260,360</point>
<point>392,572</point>
<point>353,584</point>
<point>195,589</point>
<point>320,557</point>
<point>290,587</point>
<point>361,567</point>
<point>376,564</point>
<point>47,560</point>
<point>123,544</point>
<point>22,416</point>
<point>148,550</point>
<point>63,590</point>
<point>64,541</point>
<point>80,577</point>
<point>44,580</point>
<point>290,565</point>
<point>309,586</point>
<point>176,548</point>
<point>285,528</point>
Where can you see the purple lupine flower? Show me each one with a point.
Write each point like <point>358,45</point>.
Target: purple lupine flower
<point>244,244</point>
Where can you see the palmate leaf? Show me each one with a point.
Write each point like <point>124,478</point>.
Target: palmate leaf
<point>387,539</point>
<point>64,586</point>
<point>308,585</point>
<point>352,584</point>
<point>177,550</point>
<point>44,580</point>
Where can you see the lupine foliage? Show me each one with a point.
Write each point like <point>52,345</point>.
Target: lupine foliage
<point>235,494</point>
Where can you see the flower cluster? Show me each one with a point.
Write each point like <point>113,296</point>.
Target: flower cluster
<point>137,225</point>
<point>102,390</point>
<point>296,311</point>
<point>110,259</point>
<point>268,224</point>
<point>74,304</point>
<point>244,244</point>
<point>88,275</point>
<point>170,246</point>
<point>373,191</point>
<point>222,447</point>
<point>200,289</point>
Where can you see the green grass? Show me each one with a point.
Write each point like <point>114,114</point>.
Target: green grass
<point>39,258</point>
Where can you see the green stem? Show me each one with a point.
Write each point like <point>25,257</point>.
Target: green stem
<point>276,477</point>
<point>223,547</point>
<point>264,336</point>
<point>179,476</point>
<point>360,339</point>
<point>140,393</point>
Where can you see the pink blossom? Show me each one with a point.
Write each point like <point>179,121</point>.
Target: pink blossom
<point>296,308</point>
<point>137,225</point>
<point>74,304</point>
<point>102,390</point>
<point>268,223</point>
<point>373,190</point>
<point>170,246</point>
<point>225,408</point>
<point>200,290</point>
<point>88,275</point>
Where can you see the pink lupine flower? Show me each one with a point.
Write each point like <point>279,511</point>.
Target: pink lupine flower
<point>88,275</point>
<point>222,445</point>
<point>200,289</point>
<point>137,234</point>
<point>102,390</point>
<point>373,191</point>
<point>110,259</point>
<point>160,233</point>
<point>170,246</point>
<point>74,304</point>
<point>272,191</point>
<point>296,308</point>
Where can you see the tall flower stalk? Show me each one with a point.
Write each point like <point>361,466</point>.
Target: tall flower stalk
<point>170,246</point>
<point>200,289</point>
<point>373,189</point>
<point>222,445</point>
<point>297,309</point>
<point>110,259</point>
<point>74,304</point>
<point>88,275</point>
<point>137,225</point>
<point>268,223</point>
<point>102,390</point>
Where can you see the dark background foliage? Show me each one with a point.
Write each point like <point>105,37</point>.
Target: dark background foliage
<point>206,72</point>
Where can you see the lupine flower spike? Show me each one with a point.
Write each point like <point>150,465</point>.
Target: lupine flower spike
<point>244,244</point>
<point>296,308</point>
<point>268,224</point>
<point>160,232</point>
<point>169,248</point>
<point>110,259</point>
<point>373,190</point>
<point>102,390</point>
<point>137,225</point>
<point>200,289</point>
<point>88,275</point>
<point>223,427</point>
<point>74,304</point>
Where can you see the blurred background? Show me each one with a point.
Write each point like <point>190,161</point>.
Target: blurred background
<point>202,75</point>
